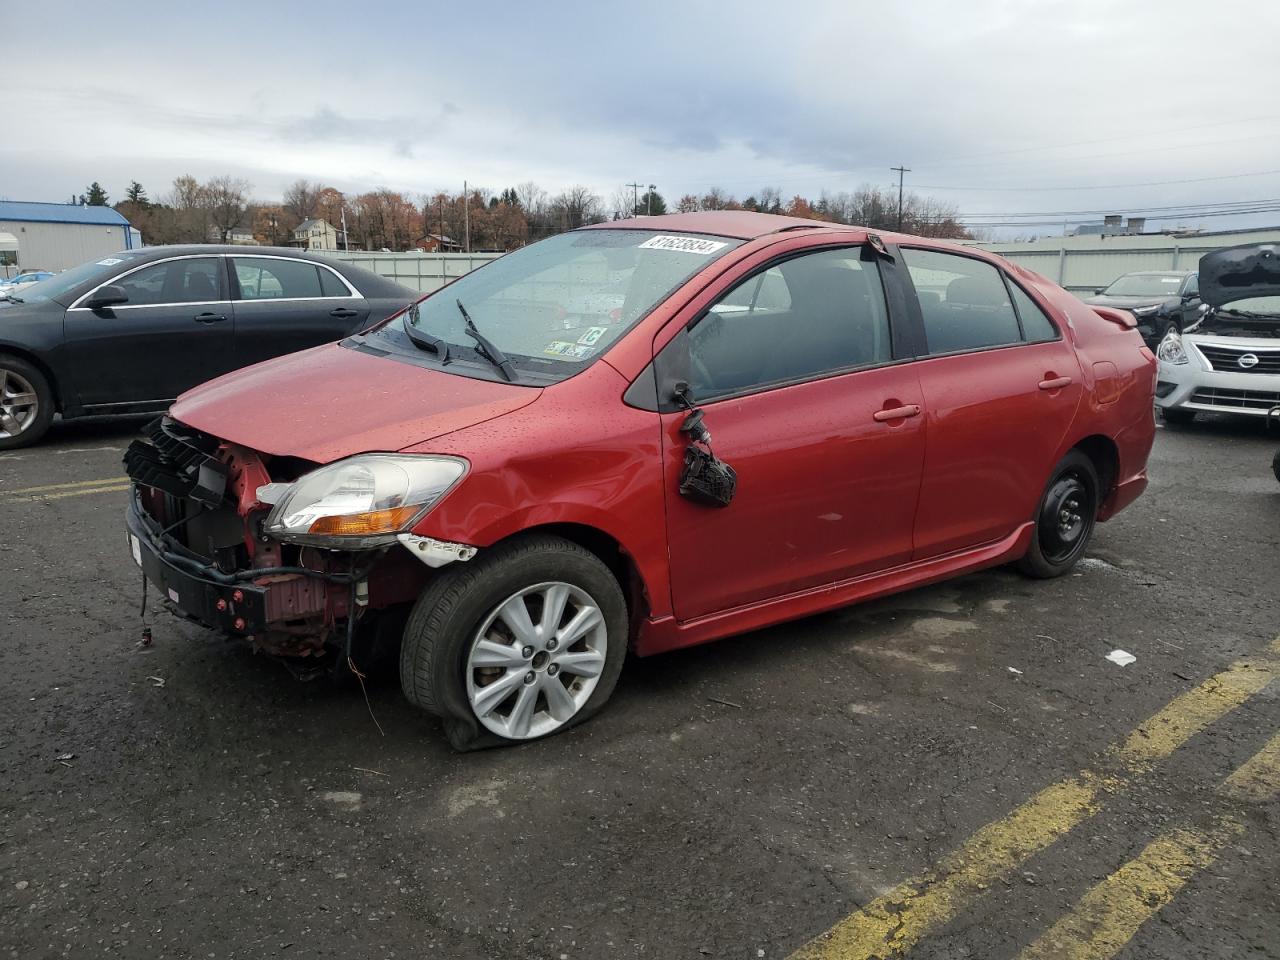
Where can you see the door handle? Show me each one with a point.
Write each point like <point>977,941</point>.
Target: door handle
<point>897,413</point>
<point>209,318</point>
<point>1057,383</point>
<point>343,312</point>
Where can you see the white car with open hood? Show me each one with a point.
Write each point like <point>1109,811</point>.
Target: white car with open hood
<point>1229,360</point>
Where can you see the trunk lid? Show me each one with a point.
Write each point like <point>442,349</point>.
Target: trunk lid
<point>330,402</point>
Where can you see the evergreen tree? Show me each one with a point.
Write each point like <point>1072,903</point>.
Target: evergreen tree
<point>96,196</point>
<point>136,194</point>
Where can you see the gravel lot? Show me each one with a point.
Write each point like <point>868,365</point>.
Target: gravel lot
<point>736,800</point>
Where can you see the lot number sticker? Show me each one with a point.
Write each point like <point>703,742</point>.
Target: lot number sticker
<point>683,245</point>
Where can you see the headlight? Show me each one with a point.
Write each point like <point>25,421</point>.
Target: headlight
<point>1170,349</point>
<point>1146,311</point>
<point>364,501</point>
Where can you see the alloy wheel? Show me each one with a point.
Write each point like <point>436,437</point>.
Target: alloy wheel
<point>19,404</point>
<point>535,660</point>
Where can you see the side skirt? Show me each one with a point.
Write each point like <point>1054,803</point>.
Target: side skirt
<point>658,636</point>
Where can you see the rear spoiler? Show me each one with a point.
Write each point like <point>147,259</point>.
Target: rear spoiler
<point>1121,317</point>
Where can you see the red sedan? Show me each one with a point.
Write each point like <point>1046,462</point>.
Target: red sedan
<point>640,436</point>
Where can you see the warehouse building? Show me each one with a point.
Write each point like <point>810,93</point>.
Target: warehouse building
<point>55,236</point>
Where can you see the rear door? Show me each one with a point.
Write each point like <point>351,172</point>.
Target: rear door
<point>173,333</point>
<point>1001,387</point>
<point>284,304</point>
<point>810,401</point>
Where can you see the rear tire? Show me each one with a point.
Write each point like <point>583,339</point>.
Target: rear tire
<point>458,620</point>
<point>1176,416</point>
<point>1064,519</point>
<point>1275,465</point>
<point>26,403</point>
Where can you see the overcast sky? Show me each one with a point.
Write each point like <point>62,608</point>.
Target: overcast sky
<point>997,107</point>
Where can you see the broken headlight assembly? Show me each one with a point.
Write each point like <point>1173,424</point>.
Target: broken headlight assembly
<point>1171,349</point>
<point>362,502</point>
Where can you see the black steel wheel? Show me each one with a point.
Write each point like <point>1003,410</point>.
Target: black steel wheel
<point>1065,518</point>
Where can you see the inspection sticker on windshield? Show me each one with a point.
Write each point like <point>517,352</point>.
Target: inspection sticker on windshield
<point>563,348</point>
<point>592,335</point>
<point>109,262</point>
<point>683,245</point>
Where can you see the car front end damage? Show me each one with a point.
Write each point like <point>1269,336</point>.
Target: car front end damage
<point>302,560</point>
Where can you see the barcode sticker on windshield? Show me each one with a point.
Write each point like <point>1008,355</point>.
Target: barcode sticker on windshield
<point>683,245</point>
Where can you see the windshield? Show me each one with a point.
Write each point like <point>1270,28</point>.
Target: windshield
<point>1261,306</point>
<point>1145,285</point>
<point>553,306</point>
<point>59,284</point>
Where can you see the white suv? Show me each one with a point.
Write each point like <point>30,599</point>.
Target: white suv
<point>1229,360</point>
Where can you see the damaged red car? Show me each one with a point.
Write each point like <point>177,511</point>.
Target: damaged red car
<point>635,437</point>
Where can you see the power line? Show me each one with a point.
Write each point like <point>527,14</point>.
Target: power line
<point>1100,186</point>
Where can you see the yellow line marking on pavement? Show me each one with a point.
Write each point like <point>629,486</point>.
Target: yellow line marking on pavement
<point>65,493</point>
<point>1108,915</point>
<point>1258,778</point>
<point>893,923</point>
<point>64,486</point>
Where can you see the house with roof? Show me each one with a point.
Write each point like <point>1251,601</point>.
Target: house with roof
<point>314,234</point>
<point>55,236</point>
<point>436,243</point>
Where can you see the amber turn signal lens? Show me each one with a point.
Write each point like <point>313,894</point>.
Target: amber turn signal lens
<point>364,524</point>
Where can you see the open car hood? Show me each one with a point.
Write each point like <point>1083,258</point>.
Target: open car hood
<point>329,402</point>
<point>1250,270</point>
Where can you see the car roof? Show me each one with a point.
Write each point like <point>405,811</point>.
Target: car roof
<point>251,250</point>
<point>739,224</point>
<point>1157,273</point>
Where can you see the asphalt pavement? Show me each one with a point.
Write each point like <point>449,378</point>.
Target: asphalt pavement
<point>955,772</point>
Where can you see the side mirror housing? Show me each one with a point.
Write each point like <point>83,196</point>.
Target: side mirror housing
<point>109,296</point>
<point>1098,290</point>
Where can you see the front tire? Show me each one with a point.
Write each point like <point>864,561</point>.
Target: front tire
<point>1065,518</point>
<point>26,403</point>
<point>523,642</point>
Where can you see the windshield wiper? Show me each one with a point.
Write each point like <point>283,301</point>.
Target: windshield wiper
<point>10,297</point>
<point>423,340</point>
<point>486,347</point>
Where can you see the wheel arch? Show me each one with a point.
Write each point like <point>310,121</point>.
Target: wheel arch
<point>611,552</point>
<point>27,356</point>
<point>1105,455</point>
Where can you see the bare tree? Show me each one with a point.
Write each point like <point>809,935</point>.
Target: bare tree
<point>770,200</point>
<point>576,207</point>
<point>226,198</point>
<point>301,199</point>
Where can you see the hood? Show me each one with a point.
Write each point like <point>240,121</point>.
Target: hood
<point>330,402</point>
<point>1251,270</point>
<point>1126,303</point>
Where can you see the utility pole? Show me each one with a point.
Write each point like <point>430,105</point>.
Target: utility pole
<point>466,218</point>
<point>346,240</point>
<point>635,197</point>
<point>648,200</point>
<point>901,171</point>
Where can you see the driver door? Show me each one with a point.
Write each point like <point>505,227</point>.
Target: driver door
<point>796,374</point>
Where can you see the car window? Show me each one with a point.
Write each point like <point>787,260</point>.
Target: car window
<point>1036,326</point>
<point>175,281</point>
<point>1192,289</point>
<point>267,278</point>
<point>963,300</point>
<point>807,316</point>
<point>330,285</point>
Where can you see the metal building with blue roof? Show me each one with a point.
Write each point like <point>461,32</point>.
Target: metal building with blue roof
<point>55,236</point>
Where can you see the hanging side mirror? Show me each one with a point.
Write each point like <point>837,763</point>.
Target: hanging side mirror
<point>705,479</point>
